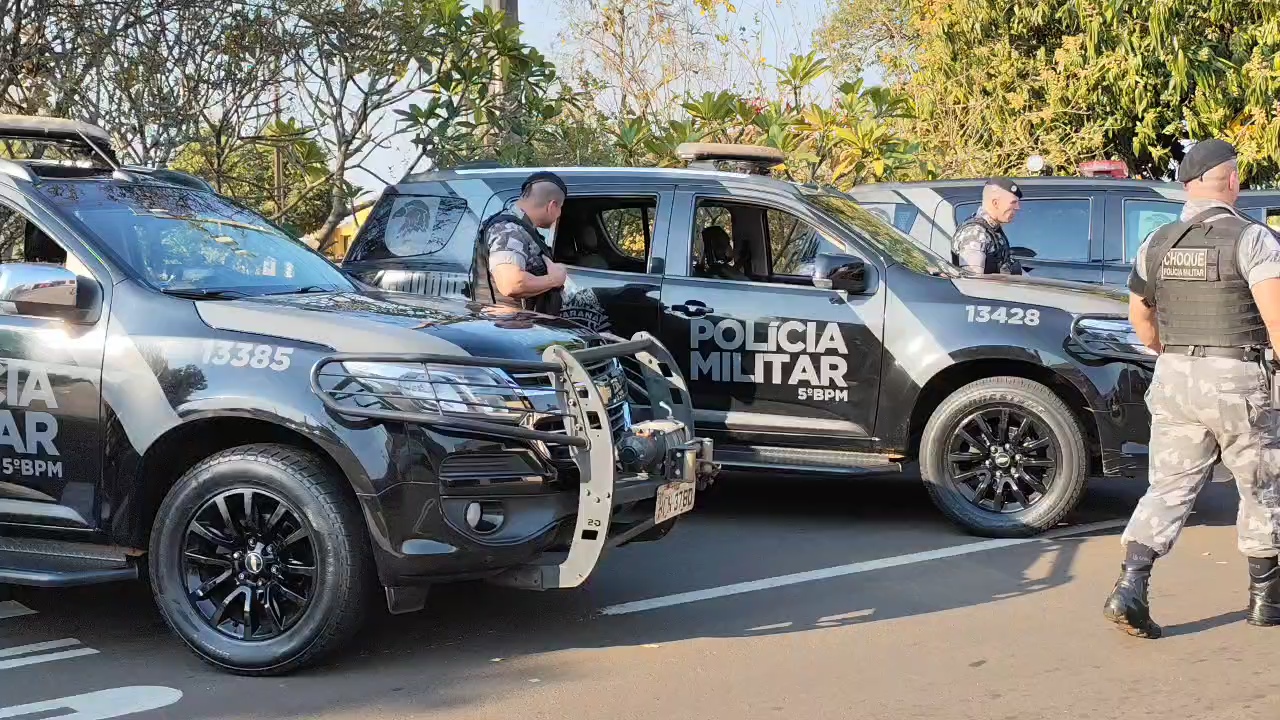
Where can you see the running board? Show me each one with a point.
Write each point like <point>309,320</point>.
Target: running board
<point>55,563</point>
<point>802,459</point>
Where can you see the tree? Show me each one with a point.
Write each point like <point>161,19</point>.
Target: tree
<point>860,34</point>
<point>851,140</point>
<point>247,173</point>
<point>641,57</point>
<point>362,59</point>
<point>1076,80</point>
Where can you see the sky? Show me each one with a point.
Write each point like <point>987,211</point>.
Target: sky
<point>788,27</point>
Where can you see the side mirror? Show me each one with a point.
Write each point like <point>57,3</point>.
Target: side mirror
<point>840,272</point>
<point>38,289</point>
<point>1019,251</point>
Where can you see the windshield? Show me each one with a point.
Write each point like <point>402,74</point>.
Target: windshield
<point>178,239</point>
<point>885,237</point>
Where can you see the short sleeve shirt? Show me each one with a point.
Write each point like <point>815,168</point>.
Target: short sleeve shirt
<point>510,243</point>
<point>1257,253</point>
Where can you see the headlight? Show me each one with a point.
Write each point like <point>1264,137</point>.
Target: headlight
<point>445,389</point>
<point>1110,337</point>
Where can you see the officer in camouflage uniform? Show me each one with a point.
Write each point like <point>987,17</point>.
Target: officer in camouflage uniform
<point>979,244</point>
<point>1205,295</point>
<point>513,265</point>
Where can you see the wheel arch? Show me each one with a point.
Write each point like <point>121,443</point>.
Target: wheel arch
<point>956,376</point>
<point>196,438</point>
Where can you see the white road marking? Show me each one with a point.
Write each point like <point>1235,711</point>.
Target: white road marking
<point>13,609</point>
<point>850,569</point>
<point>37,647</point>
<point>101,705</point>
<point>37,653</point>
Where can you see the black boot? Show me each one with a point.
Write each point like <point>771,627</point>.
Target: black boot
<point>1127,606</point>
<point>1264,592</point>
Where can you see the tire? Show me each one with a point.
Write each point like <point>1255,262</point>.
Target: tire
<point>324,528</point>
<point>1051,419</point>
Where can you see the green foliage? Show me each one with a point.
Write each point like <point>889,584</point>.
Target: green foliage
<point>247,173</point>
<point>1078,80</point>
<point>856,138</point>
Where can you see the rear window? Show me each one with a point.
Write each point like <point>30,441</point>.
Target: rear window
<point>439,229</point>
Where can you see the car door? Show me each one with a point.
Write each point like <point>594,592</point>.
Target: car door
<point>50,382</point>
<point>1130,220</point>
<point>1055,234</point>
<point>770,358</point>
<point>613,241</point>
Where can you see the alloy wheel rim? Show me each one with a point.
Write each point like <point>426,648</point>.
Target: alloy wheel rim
<point>1002,458</point>
<point>249,564</point>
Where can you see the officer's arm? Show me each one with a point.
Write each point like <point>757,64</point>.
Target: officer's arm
<point>1259,260</point>
<point>507,263</point>
<point>972,246</point>
<point>516,282</point>
<point>1143,319</point>
<point>1141,315</point>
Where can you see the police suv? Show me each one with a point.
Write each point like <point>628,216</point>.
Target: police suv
<point>815,336</point>
<point>1069,228</point>
<point>191,394</point>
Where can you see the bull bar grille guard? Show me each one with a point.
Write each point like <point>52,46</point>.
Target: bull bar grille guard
<point>588,434</point>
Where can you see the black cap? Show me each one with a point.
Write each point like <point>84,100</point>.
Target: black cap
<point>1007,185</point>
<point>1203,157</point>
<point>544,176</point>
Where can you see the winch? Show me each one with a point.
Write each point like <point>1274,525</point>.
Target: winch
<point>652,443</point>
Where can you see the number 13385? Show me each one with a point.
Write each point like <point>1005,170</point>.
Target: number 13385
<point>222,352</point>
<point>1003,315</point>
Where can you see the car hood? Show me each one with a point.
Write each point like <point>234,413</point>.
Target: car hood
<point>1072,297</point>
<point>376,322</point>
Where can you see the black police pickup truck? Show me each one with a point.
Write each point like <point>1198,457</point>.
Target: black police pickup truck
<point>815,336</point>
<point>188,390</point>
<point>1070,228</point>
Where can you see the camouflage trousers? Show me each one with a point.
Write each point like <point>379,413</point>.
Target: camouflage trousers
<point>1203,410</point>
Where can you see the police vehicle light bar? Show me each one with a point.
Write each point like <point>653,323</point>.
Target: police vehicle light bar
<point>757,158</point>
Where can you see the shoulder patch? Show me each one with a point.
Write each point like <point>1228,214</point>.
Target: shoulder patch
<point>1185,264</point>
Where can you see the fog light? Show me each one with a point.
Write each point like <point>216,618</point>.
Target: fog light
<point>484,517</point>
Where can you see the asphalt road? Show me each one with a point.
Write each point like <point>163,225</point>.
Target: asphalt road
<point>811,600</point>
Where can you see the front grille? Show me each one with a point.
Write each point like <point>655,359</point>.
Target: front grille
<point>605,373</point>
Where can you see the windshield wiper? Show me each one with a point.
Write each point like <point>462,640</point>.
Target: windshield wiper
<point>306,289</point>
<point>204,293</point>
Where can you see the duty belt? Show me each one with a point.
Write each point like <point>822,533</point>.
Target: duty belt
<point>1243,354</point>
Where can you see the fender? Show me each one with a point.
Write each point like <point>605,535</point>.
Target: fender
<point>1096,387</point>
<point>353,458</point>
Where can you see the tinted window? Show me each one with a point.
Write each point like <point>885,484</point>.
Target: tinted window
<point>795,244</point>
<point>708,216</point>
<point>22,241</point>
<point>872,229</point>
<point>442,229</point>
<point>901,215</point>
<point>1141,218</point>
<point>629,229</point>
<point>182,239</point>
<point>1052,229</point>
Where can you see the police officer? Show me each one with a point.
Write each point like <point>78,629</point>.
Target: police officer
<point>1205,295</point>
<point>513,265</point>
<point>980,245</point>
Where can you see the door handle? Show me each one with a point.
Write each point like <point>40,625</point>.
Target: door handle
<point>693,308</point>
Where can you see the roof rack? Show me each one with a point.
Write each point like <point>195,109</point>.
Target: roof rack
<point>90,139</point>
<point>754,159</point>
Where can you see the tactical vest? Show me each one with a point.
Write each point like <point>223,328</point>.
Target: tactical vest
<point>1000,261</point>
<point>1201,298</point>
<point>482,289</point>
